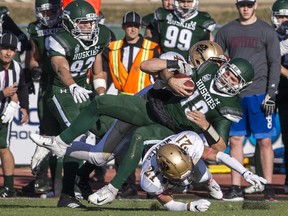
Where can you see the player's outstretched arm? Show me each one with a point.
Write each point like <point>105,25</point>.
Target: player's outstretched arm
<point>196,206</point>
<point>221,157</point>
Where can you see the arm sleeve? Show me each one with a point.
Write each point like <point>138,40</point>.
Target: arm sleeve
<point>22,92</point>
<point>231,162</point>
<point>274,63</point>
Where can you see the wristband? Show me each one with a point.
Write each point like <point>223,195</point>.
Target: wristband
<point>172,64</point>
<point>211,135</point>
<point>99,83</point>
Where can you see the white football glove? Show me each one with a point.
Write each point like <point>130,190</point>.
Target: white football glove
<point>185,68</point>
<point>10,112</point>
<point>200,205</point>
<point>79,93</point>
<point>253,179</point>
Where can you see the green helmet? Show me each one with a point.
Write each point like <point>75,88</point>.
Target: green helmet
<point>242,69</point>
<point>48,12</point>
<point>81,11</point>
<point>279,8</point>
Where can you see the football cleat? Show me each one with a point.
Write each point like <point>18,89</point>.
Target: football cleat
<point>70,202</point>
<point>51,143</point>
<point>39,156</point>
<point>234,194</point>
<point>103,196</point>
<point>5,192</point>
<point>215,190</point>
<point>84,187</point>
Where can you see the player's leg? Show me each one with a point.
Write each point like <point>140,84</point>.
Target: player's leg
<point>263,128</point>
<point>7,161</point>
<point>283,116</point>
<point>202,175</point>
<point>65,111</point>
<point>129,162</point>
<point>237,135</point>
<point>127,108</point>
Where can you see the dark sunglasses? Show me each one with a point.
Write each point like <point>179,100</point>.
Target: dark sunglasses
<point>245,4</point>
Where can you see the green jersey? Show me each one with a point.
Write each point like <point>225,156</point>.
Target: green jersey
<point>79,55</point>
<point>219,109</point>
<point>38,33</point>
<point>179,35</point>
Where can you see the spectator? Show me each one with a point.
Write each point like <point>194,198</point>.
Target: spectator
<point>250,38</point>
<point>12,89</point>
<point>280,22</point>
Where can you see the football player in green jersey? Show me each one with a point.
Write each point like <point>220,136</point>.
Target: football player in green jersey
<point>178,30</point>
<point>37,68</point>
<point>148,21</point>
<point>215,95</point>
<point>72,51</point>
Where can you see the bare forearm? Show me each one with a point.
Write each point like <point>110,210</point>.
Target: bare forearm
<point>153,65</point>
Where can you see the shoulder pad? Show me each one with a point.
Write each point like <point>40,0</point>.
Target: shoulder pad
<point>4,10</point>
<point>147,20</point>
<point>207,66</point>
<point>205,21</point>
<point>105,37</point>
<point>160,14</point>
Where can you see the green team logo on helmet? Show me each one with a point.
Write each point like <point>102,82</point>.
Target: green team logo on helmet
<point>242,69</point>
<point>279,8</point>
<point>77,12</point>
<point>48,12</point>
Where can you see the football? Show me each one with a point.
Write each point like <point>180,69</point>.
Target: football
<point>189,83</point>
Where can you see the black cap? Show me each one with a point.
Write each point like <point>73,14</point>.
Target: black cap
<point>9,40</point>
<point>245,1</point>
<point>132,17</point>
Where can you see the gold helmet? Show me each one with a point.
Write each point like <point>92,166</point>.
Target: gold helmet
<point>202,51</point>
<point>174,162</point>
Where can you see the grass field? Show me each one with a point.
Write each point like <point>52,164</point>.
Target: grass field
<point>37,206</point>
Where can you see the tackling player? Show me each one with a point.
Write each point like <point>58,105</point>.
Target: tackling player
<point>177,161</point>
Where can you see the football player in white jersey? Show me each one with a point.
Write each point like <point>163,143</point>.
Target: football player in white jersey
<point>177,161</point>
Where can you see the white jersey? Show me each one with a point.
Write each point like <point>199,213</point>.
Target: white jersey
<point>151,179</point>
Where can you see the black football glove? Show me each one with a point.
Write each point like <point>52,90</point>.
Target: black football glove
<point>268,104</point>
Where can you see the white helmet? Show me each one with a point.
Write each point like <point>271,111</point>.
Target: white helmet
<point>185,12</point>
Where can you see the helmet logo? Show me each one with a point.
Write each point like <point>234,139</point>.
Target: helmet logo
<point>91,15</point>
<point>235,69</point>
<point>206,77</point>
<point>284,11</point>
<point>66,12</point>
